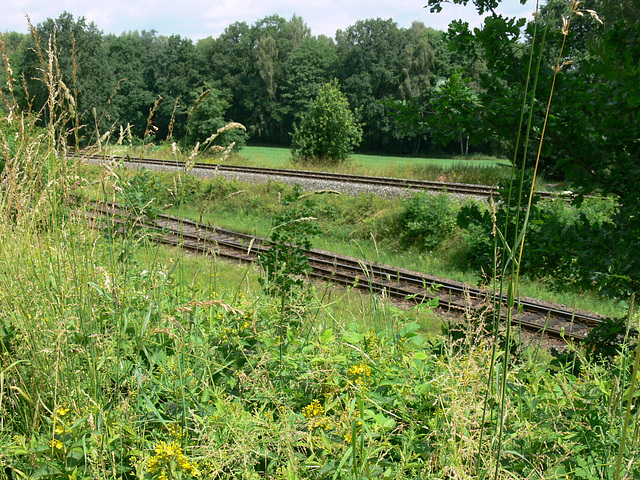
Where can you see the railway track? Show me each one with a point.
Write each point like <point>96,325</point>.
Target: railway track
<point>535,316</point>
<point>480,191</point>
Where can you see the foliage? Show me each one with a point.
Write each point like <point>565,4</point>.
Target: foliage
<point>78,61</point>
<point>476,223</point>
<point>427,220</point>
<point>328,132</point>
<point>140,195</point>
<point>285,264</point>
<point>604,339</point>
<point>184,379</point>
<point>129,54</point>
<point>310,65</point>
<point>590,145</point>
<point>268,72</point>
<point>207,117</point>
<point>455,113</point>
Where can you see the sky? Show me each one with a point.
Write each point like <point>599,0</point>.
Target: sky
<point>198,19</point>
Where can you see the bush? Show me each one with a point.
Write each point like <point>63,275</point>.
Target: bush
<point>427,220</point>
<point>328,132</point>
<point>477,225</point>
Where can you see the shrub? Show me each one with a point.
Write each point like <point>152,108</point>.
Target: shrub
<point>427,220</point>
<point>477,225</point>
<point>328,132</point>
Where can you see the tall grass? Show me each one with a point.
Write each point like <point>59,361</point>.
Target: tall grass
<point>509,248</point>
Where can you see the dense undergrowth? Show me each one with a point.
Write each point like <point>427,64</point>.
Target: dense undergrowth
<point>117,367</point>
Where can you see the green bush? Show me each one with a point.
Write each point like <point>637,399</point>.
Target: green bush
<point>427,220</point>
<point>328,132</point>
<point>476,224</point>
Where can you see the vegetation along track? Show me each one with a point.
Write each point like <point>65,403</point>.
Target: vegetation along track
<point>480,191</point>
<point>532,315</point>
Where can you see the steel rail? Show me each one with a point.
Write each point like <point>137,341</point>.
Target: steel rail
<point>483,191</point>
<point>395,282</point>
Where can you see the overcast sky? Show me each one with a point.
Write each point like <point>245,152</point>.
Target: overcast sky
<point>197,19</point>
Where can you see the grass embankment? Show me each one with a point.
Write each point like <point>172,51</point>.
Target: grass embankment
<point>421,235</point>
<point>123,360</point>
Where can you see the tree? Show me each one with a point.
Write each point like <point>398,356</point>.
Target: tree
<point>172,73</point>
<point>371,69</point>
<point>455,116</point>
<point>328,132</point>
<point>310,65</point>
<point>79,59</point>
<point>11,43</point>
<point>208,116</point>
<point>128,55</point>
<point>591,135</point>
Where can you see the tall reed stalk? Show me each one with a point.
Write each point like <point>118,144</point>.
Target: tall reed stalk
<point>511,244</point>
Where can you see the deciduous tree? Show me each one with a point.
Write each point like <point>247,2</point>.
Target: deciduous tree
<point>328,132</point>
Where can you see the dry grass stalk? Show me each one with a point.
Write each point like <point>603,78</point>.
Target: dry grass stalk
<point>173,119</point>
<point>103,114</point>
<point>150,127</point>
<point>10,101</point>
<point>197,103</point>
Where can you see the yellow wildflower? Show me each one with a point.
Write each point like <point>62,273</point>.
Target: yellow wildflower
<point>62,411</point>
<point>56,444</point>
<point>167,454</point>
<point>314,409</point>
<point>359,374</point>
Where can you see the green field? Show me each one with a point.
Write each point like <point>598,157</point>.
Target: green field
<point>280,157</point>
<point>482,170</point>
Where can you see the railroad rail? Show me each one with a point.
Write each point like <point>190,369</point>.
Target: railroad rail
<point>536,316</point>
<point>481,191</point>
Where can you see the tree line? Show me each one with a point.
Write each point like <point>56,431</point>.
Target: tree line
<point>262,75</point>
<point>413,90</point>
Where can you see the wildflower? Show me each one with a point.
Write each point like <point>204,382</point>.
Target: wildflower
<point>359,374</point>
<point>62,411</point>
<point>175,431</point>
<point>315,413</point>
<point>168,454</point>
<point>56,444</point>
<point>314,409</point>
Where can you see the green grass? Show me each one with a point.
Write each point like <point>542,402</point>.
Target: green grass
<point>484,170</point>
<point>280,157</point>
<point>122,356</point>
